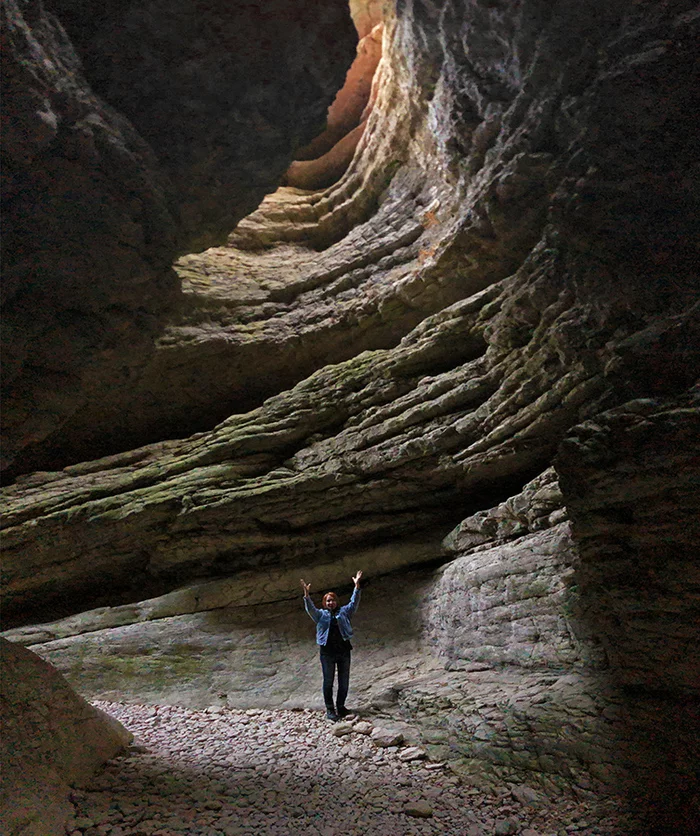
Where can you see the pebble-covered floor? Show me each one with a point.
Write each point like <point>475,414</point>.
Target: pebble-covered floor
<point>220,772</point>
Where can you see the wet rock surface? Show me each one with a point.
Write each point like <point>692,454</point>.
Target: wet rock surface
<point>223,773</point>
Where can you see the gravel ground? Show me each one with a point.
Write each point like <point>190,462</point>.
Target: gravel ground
<point>220,772</point>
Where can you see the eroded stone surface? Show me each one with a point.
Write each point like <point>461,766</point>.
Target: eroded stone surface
<point>144,132</point>
<point>325,160</point>
<point>543,142</point>
<point>512,247</point>
<point>52,739</point>
<point>241,656</point>
<point>552,716</point>
<point>89,234</point>
<point>504,604</point>
<point>377,445</point>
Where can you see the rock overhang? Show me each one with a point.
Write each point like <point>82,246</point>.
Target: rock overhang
<point>517,196</point>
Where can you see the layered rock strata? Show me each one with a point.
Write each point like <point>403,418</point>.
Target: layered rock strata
<point>454,182</point>
<point>489,166</point>
<point>141,133</point>
<point>224,95</point>
<point>487,660</point>
<point>505,276</point>
<point>52,739</point>
<point>373,448</point>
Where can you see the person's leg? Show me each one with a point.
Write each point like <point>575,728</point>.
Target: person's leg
<point>328,668</point>
<point>343,682</point>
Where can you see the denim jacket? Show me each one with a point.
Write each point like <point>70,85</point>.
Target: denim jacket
<point>323,618</point>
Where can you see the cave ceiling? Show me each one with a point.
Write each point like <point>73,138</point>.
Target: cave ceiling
<point>200,383</point>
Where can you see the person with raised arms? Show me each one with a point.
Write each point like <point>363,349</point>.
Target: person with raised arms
<point>333,634</point>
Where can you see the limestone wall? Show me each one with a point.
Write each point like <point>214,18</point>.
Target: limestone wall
<point>505,277</point>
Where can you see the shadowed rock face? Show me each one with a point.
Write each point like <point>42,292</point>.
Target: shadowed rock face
<point>222,92</point>
<point>90,229</point>
<point>146,130</point>
<point>68,740</point>
<point>493,137</point>
<point>504,278</point>
<point>502,267</point>
<point>630,481</point>
<point>630,478</point>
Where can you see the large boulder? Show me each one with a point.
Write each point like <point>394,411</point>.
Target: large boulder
<point>52,740</point>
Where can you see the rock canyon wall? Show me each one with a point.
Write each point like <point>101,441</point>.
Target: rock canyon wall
<point>468,366</point>
<point>129,136</point>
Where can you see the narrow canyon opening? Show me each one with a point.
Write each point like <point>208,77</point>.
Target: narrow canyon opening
<point>296,289</point>
<point>325,159</point>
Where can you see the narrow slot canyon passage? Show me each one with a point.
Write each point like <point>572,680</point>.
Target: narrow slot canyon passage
<point>325,159</point>
<point>297,289</point>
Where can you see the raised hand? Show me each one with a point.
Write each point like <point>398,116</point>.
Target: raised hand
<point>306,587</point>
<point>357,579</point>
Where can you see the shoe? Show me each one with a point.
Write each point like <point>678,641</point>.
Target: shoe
<point>343,712</point>
<point>332,716</point>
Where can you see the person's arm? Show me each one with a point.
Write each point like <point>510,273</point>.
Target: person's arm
<point>308,603</point>
<point>350,608</point>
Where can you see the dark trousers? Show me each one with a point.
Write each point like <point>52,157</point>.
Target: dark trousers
<point>329,662</point>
